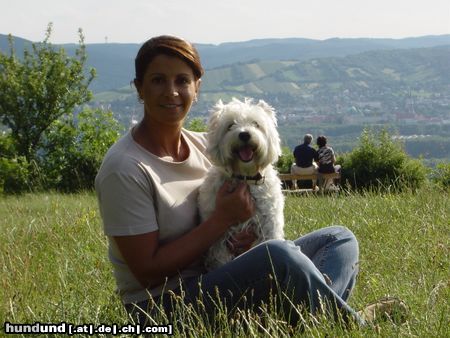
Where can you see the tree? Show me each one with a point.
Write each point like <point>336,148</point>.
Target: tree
<point>39,88</point>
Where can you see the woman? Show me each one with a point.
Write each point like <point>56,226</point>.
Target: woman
<point>326,161</point>
<point>147,190</point>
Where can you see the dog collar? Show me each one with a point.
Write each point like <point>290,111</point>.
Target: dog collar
<point>257,179</point>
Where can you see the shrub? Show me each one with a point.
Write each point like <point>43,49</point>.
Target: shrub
<point>379,162</point>
<point>441,175</point>
<point>285,161</point>
<point>74,149</point>
<point>14,174</point>
<point>14,170</point>
<point>197,124</point>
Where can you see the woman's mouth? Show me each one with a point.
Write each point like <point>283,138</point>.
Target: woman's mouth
<point>171,105</point>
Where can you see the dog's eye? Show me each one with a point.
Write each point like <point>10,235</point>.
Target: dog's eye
<point>255,124</point>
<point>231,125</point>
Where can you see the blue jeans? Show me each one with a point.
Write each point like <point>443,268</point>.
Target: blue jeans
<point>320,267</point>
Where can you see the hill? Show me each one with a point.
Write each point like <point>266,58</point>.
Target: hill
<point>404,90</point>
<point>414,67</point>
<point>304,49</point>
<point>380,84</point>
<point>334,87</point>
<point>114,62</point>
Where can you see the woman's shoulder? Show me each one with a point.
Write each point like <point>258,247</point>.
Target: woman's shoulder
<point>119,157</point>
<point>325,149</point>
<point>197,138</point>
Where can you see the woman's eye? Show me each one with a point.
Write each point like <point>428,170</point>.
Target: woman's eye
<point>157,80</point>
<point>184,81</point>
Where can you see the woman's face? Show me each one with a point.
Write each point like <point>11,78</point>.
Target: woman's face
<point>168,89</point>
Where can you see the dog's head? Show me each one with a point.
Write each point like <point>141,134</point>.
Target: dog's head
<point>242,137</point>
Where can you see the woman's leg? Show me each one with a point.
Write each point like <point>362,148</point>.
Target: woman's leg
<point>276,267</point>
<point>334,251</point>
<point>298,272</point>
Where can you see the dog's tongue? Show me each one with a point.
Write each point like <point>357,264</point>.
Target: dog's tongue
<point>246,153</point>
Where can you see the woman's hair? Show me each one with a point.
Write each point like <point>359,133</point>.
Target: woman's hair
<point>321,141</point>
<point>167,45</point>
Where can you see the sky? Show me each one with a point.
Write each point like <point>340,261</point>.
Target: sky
<point>218,21</point>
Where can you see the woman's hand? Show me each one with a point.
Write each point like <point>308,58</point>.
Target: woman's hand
<point>242,241</point>
<point>234,204</point>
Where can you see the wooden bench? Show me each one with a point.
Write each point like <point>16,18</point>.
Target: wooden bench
<point>289,181</point>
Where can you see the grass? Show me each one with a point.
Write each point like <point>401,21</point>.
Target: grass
<point>53,257</point>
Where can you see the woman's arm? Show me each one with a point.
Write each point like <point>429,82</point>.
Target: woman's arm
<point>333,156</point>
<point>151,263</point>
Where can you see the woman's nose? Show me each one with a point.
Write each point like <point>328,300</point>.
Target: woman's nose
<point>171,89</point>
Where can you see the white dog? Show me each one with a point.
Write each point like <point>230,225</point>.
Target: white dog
<point>243,143</point>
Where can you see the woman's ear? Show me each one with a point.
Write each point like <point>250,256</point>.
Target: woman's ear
<point>137,84</point>
<point>197,86</point>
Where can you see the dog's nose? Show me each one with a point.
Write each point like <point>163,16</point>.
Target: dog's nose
<point>244,136</point>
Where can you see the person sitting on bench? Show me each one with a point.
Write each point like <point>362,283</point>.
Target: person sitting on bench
<point>327,160</point>
<point>305,159</point>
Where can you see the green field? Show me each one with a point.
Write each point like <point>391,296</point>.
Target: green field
<point>53,257</point>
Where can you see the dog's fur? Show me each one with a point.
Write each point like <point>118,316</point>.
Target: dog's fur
<point>243,143</point>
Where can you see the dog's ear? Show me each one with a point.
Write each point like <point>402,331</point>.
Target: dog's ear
<point>214,135</point>
<point>268,109</point>
<point>215,114</point>
<point>275,142</point>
